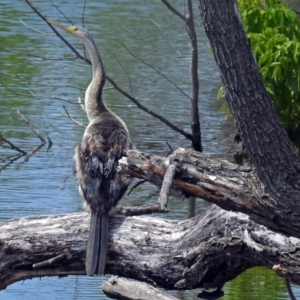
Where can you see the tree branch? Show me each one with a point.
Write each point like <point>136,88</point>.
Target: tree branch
<point>173,9</point>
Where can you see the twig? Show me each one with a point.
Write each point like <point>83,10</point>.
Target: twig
<point>170,147</point>
<point>166,185</point>
<point>60,11</point>
<point>35,131</point>
<point>33,152</point>
<point>139,210</point>
<point>83,13</point>
<point>17,76</point>
<point>173,9</point>
<point>31,94</point>
<point>149,111</point>
<point>12,146</point>
<point>153,68</point>
<point>38,56</point>
<point>11,160</point>
<point>66,114</point>
<point>135,186</point>
<point>116,58</point>
<point>33,29</point>
<point>50,262</point>
<point>163,34</point>
<point>153,46</point>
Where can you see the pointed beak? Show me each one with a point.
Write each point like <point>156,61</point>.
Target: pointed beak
<point>70,29</point>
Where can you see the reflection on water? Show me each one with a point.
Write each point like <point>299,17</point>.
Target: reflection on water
<point>43,183</point>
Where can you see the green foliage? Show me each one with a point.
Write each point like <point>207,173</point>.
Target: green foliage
<point>274,31</point>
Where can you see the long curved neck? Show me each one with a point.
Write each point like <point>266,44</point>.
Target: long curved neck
<point>94,104</point>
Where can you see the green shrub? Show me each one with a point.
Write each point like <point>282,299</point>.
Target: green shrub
<point>274,31</point>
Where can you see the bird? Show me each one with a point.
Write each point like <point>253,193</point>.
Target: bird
<point>105,140</point>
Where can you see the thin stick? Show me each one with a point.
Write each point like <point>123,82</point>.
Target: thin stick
<point>50,262</point>
<point>35,131</point>
<point>66,114</point>
<point>38,96</point>
<point>166,185</point>
<point>33,29</point>
<point>17,76</point>
<point>135,186</point>
<point>61,12</point>
<point>149,111</point>
<point>38,56</point>
<point>116,58</point>
<point>139,210</point>
<point>11,160</point>
<point>173,9</point>
<point>12,146</point>
<point>153,68</point>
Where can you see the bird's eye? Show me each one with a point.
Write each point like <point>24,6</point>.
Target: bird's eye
<point>75,28</point>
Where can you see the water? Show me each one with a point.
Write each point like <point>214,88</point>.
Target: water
<point>43,183</point>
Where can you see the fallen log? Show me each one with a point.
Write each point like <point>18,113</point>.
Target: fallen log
<point>203,252</point>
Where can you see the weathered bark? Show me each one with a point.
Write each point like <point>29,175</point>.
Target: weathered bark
<point>205,251</point>
<point>272,154</point>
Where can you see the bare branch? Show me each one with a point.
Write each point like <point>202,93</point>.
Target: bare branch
<point>10,160</point>
<point>50,262</point>
<point>66,114</point>
<point>61,12</point>
<point>116,58</point>
<point>153,68</point>
<point>163,34</point>
<point>83,12</point>
<point>31,94</point>
<point>173,9</point>
<point>33,29</point>
<point>35,131</point>
<point>17,76</point>
<point>149,111</point>
<point>38,56</point>
<point>12,146</point>
<point>135,186</point>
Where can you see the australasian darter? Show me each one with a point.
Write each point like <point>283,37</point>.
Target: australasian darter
<point>104,142</point>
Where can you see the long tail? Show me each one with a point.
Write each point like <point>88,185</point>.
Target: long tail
<point>97,245</point>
